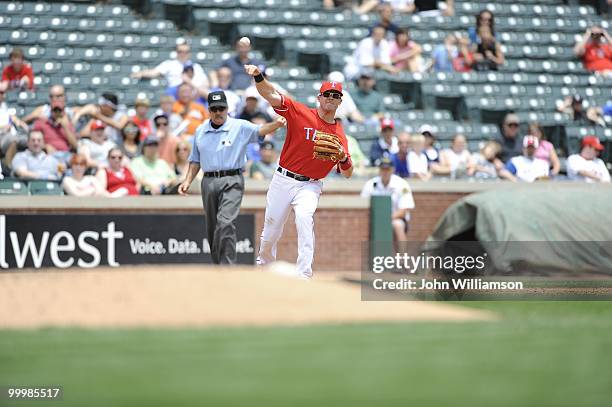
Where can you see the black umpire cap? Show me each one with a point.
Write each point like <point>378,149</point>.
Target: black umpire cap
<point>217,99</point>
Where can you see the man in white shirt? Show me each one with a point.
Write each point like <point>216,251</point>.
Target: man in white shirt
<point>34,163</point>
<point>526,167</point>
<point>387,183</point>
<point>172,70</point>
<point>372,52</point>
<point>586,166</point>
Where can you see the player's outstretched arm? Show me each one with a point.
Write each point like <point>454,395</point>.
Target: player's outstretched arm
<point>265,88</point>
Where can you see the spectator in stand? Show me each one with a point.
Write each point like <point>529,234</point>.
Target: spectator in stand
<point>116,178</point>
<point>252,106</point>
<point>335,4</point>
<point>456,161</point>
<point>58,131</point>
<point>586,166</point>
<point>595,54</point>
<point>201,91</point>
<point>95,148</point>
<point>527,167</point>
<point>141,118</point>
<point>373,52</point>
<point>387,183</point>
<point>57,94</point>
<point>430,8</point>
<point>166,103</point>
<point>264,169</point>
<point>240,79</point>
<point>192,113</point>
<point>79,184</point>
<point>385,12</point>
<point>453,56</point>
<point>488,54</point>
<point>181,158</point>
<point>398,6</point>
<point>167,141</point>
<point>367,99</point>
<point>18,74</point>
<point>400,159</point>
<point>9,137</point>
<point>34,163</point>
<point>418,165</point>
<point>224,79</point>
<point>107,111</point>
<point>348,109</point>
<point>431,150</point>
<point>405,54</point>
<point>573,106</point>
<point>173,70</point>
<point>385,144</point>
<point>487,164</point>
<point>510,140</point>
<point>599,114</point>
<point>151,172</point>
<point>130,141</point>
<point>546,150</point>
<point>484,18</point>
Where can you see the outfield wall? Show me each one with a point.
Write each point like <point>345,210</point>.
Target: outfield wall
<point>341,221</point>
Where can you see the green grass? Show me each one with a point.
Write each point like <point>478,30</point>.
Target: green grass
<point>539,354</point>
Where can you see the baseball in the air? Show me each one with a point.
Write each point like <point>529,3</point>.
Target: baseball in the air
<point>245,41</point>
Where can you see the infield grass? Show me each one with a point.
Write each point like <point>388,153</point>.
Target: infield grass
<point>537,354</point>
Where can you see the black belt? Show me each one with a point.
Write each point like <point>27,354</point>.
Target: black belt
<point>293,175</point>
<point>222,173</point>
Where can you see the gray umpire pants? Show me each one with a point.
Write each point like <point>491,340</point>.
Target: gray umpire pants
<point>221,198</point>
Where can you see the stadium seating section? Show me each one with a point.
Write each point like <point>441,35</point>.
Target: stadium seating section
<point>94,48</point>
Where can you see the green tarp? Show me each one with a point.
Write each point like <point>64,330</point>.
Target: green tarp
<point>568,226</point>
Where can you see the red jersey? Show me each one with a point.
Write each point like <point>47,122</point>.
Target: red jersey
<point>302,122</point>
<point>597,57</point>
<point>145,126</point>
<point>126,180</point>
<point>9,74</point>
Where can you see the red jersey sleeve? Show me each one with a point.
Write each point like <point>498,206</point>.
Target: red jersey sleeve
<point>30,74</point>
<point>287,109</point>
<point>5,74</point>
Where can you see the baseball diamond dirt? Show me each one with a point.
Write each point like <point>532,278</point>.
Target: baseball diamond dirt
<point>196,296</point>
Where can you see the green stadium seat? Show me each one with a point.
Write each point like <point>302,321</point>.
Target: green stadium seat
<point>45,188</point>
<point>13,187</point>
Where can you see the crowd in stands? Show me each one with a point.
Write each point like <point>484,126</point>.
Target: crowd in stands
<point>101,150</point>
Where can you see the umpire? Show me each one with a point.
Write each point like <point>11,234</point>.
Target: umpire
<point>219,148</point>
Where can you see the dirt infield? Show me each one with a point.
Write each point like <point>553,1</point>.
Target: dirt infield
<point>192,296</point>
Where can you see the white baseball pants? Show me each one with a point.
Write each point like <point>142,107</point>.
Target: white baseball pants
<point>285,193</point>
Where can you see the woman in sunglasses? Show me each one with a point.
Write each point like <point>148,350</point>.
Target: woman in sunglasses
<point>130,136</point>
<point>117,179</point>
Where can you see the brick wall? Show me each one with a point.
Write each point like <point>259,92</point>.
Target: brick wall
<point>340,233</point>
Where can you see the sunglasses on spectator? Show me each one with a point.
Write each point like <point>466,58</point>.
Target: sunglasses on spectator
<point>116,157</point>
<point>334,95</point>
<point>61,95</point>
<point>512,124</point>
<point>217,109</point>
<point>80,164</point>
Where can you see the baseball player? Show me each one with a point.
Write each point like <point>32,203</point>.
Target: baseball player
<point>315,145</point>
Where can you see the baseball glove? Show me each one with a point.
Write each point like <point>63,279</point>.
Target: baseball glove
<point>327,147</point>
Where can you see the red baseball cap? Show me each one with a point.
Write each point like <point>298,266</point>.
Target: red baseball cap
<point>387,123</point>
<point>327,86</point>
<point>96,125</point>
<point>593,142</point>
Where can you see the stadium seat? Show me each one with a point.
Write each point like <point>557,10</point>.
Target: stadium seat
<point>13,187</point>
<point>45,188</point>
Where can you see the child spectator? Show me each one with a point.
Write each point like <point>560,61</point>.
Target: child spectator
<point>457,160</point>
<point>18,75</point>
<point>546,150</point>
<point>487,164</point>
<point>453,55</point>
<point>141,118</point>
